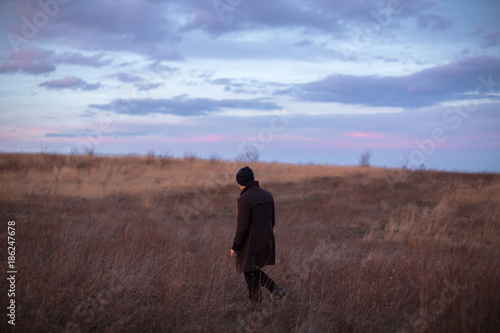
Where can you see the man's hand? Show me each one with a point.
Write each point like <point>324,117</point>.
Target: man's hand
<point>234,254</point>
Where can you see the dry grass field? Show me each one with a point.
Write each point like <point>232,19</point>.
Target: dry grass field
<point>141,244</point>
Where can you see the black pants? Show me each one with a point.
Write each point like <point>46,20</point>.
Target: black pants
<point>254,280</point>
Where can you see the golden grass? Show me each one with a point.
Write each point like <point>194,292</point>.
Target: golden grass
<point>142,244</point>
<point>94,176</point>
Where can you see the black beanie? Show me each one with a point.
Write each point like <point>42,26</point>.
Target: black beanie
<point>244,177</point>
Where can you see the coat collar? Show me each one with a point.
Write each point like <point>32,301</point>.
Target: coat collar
<point>248,187</point>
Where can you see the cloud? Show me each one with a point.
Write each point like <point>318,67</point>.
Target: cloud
<point>32,60</point>
<point>158,68</point>
<point>77,58</point>
<point>156,28</point>
<point>138,81</point>
<point>70,82</point>
<point>433,22</point>
<point>424,88</point>
<point>127,78</point>
<point>141,27</point>
<point>147,86</point>
<point>221,17</point>
<point>371,135</point>
<point>492,40</point>
<point>183,105</point>
<point>246,86</point>
<point>36,60</point>
<point>86,133</point>
<point>303,43</point>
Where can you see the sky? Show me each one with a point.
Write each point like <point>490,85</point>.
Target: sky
<point>416,83</point>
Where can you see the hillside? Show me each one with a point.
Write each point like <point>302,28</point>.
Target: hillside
<point>141,244</point>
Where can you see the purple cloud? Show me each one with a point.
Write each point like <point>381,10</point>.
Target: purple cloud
<point>78,58</point>
<point>492,40</point>
<point>155,28</point>
<point>36,60</point>
<point>433,22</point>
<point>138,81</point>
<point>32,60</point>
<point>127,78</point>
<point>183,105</point>
<point>142,27</point>
<point>327,16</point>
<point>425,88</point>
<point>147,86</point>
<point>303,43</point>
<point>247,86</point>
<point>70,82</point>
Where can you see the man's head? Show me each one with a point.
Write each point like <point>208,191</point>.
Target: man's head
<point>245,177</point>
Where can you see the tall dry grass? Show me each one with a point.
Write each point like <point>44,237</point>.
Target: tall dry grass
<point>132,243</point>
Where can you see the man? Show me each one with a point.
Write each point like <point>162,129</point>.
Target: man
<point>254,244</point>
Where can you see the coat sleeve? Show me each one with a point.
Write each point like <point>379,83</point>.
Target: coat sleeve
<point>244,212</point>
<point>273,217</point>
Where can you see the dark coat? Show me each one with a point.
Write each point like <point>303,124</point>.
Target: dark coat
<point>254,236</point>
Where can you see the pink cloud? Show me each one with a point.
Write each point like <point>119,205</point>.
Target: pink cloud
<point>354,144</point>
<point>207,138</point>
<point>11,135</point>
<point>31,54</point>
<point>31,60</point>
<point>211,138</point>
<point>370,135</point>
<point>36,60</point>
<point>300,138</point>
